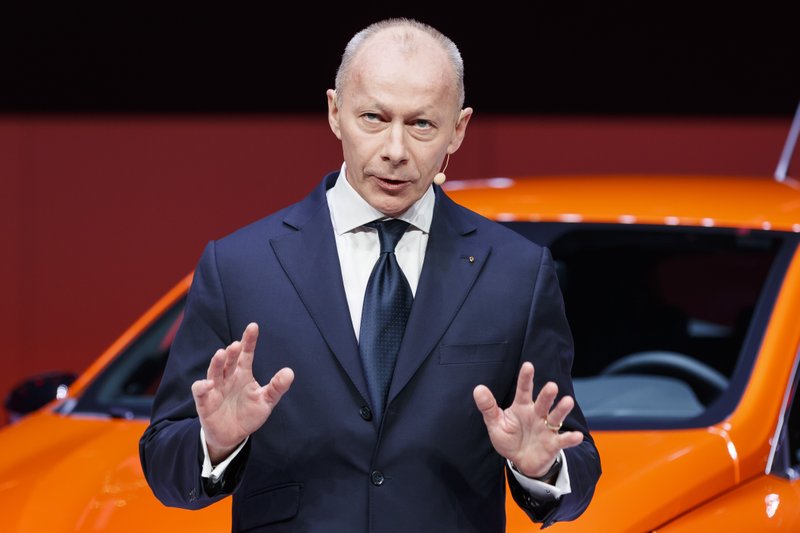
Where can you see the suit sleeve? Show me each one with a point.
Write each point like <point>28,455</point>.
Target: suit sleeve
<point>170,450</point>
<point>548,345</point>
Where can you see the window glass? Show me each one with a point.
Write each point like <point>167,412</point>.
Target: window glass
<point>664,319</point>
<point>125,389</point>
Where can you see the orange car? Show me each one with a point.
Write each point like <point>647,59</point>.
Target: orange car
<point>682,293</point>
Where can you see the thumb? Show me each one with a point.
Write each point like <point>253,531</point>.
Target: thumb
<point>486,403</point>
<point>278,385</point>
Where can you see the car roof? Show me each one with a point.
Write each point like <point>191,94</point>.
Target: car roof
<point>701,200</point>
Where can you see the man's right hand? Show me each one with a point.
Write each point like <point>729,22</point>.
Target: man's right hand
<point>230,402</point>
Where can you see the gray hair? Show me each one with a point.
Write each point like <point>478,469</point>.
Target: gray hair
<point>359,38</point>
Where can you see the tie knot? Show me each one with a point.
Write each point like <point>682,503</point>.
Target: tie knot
<point>389,232</point>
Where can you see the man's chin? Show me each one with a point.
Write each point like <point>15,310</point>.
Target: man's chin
<point>392,206</point>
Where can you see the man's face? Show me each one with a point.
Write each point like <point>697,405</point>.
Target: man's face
<point>397,120</point>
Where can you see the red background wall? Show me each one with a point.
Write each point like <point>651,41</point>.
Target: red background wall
<point>101,215</point>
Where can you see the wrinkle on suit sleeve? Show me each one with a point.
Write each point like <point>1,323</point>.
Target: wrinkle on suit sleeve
<point>170,450</point>
<point>549,346</point>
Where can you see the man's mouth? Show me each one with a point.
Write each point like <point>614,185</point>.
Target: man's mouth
<point>390,183</point>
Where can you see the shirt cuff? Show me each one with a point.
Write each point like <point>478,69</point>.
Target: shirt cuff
<point>545,491</point>
<point>215,472</point>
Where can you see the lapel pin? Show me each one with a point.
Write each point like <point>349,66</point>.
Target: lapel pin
<point>472,259</point>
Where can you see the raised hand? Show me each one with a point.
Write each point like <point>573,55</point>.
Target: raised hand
<point>527,432</point>
<point>230,402</point>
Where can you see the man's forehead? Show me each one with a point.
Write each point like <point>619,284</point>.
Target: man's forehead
<point>400,89</point>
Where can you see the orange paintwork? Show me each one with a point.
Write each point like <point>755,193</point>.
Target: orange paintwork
<point>765,504</point>
<point>756,203</point>
<point>83,474</point>
<point>67,473</point>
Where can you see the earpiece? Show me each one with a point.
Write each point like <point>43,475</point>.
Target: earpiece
<point>440,178</point>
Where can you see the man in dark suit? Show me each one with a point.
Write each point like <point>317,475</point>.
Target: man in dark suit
<point>372,436</point>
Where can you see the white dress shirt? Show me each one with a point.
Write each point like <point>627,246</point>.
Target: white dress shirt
<point>358,248</point>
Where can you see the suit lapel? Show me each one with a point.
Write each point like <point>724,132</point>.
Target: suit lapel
<point>452,263</point>
<point>310,260</point>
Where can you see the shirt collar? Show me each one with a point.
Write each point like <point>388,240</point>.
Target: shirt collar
<point>350,211</point>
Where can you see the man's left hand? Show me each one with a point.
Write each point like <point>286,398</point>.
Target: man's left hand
<point>527,432</point>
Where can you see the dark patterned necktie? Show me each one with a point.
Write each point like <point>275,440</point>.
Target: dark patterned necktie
<point>387,302</point>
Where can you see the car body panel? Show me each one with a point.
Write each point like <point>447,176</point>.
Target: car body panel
<point>69,473</point>
<point>636,467</point>
<point>721,201</point>
<point>764,504</point>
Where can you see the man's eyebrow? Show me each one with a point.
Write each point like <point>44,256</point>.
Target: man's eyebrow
<point>425,112</point>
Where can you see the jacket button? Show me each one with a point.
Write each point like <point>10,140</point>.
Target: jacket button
<point>366,413</point>
<point>376,477</point>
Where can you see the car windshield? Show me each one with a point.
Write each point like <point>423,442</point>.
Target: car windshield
<point>667,322</point>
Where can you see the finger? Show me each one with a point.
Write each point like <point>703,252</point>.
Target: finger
<point>278,385</point>
<point>559,413</point>
<point>249,339</point>
<point>569,439</point>
<point>544,402</point>
<point>215,367</point>
<point>487,405</point>
<point>200,389</point>
<point>524,394</point>
<point>232,353</point>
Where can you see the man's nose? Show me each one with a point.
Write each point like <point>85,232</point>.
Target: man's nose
<point>395,149</point>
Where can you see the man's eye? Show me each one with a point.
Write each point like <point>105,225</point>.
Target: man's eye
<point>422,123</point>
<point>372,117</point>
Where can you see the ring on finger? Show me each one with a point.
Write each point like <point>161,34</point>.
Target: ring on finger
<point>552,427</point>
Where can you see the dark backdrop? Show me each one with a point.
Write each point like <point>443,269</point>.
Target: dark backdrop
<point>654,57</point>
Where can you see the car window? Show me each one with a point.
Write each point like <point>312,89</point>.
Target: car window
<point>666,320</point>
<point>125,388</point>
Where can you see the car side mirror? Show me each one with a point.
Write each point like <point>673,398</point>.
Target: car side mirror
<point>35,392</point>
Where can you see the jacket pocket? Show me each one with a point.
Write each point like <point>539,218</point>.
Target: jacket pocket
<point>466,354</point>
<point>270,505</point>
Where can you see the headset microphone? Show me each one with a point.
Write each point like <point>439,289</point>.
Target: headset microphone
<point>439,178</point>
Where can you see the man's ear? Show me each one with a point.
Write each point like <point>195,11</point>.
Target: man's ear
<point>460,130</point>
<point>333,113</point>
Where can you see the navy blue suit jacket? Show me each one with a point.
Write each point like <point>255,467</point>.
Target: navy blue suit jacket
<point>487,300</point>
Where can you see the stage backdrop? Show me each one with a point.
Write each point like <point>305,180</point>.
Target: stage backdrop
<point>102,214</point>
